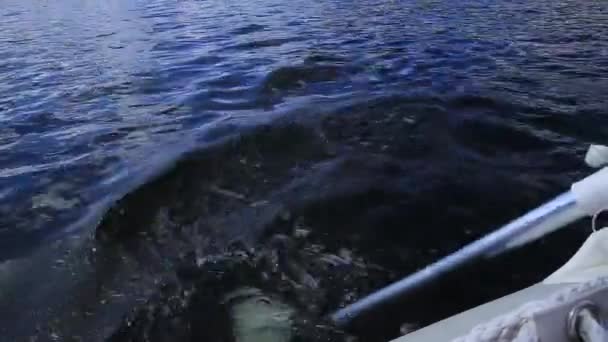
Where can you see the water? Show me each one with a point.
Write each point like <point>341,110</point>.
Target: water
<point>408,115</point>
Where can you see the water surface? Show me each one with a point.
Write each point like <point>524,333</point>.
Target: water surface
<point>487,106</point>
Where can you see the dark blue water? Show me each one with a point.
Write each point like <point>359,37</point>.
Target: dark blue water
<point>496,102</point>
<point>90,90</point>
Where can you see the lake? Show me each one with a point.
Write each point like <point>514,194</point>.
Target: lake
<point>140,138</point>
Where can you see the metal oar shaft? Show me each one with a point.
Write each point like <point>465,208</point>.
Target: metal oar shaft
<point>546,218</point>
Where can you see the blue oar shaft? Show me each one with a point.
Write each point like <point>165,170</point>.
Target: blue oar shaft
<point>538,222</point>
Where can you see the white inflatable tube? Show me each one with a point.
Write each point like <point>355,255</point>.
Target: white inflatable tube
<point>577,281</point>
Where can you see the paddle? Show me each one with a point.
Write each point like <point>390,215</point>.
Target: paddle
<point>585,198</point>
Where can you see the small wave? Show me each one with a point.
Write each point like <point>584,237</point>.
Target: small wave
<point>88,93</point>
<point>248,29</point>
<point>222,100</point>
<point>12,14</point>
<point>103,35</point>
<point>294,77</point>
<point>324,58</point>
<point>225,81</point>
<point>263,43</point>
<point>475,101</point>
<point>204,60</point>
<point>20,41</point>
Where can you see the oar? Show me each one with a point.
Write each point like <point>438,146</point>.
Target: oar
<point>585,198</point>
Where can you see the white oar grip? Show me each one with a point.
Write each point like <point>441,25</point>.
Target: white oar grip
<point>591,193</point>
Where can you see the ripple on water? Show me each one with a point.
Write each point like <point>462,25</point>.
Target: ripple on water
<point>94,89</point>
<point>251,28</point>
<point>294,77</point>
<point>205,60</point>
<point>261,43</point>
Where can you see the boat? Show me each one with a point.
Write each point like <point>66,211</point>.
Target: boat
<point>569,305</point>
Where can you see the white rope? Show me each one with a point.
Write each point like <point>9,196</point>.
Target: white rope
<point>518,325</point>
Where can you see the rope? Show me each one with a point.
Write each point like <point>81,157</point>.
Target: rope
<point>518,325</point>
